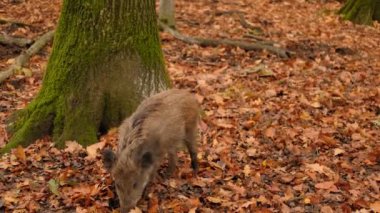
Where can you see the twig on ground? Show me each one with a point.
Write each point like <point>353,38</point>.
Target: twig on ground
<point>228,42</point>
<point>23,58</point>
<point>242,20</point>
<point>22,42</point>
<point>15,22</point>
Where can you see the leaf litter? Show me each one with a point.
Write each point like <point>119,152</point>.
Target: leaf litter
<point>295,135</point>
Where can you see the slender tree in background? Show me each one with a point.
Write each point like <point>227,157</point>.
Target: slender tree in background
<point>106,57</point>
<point>166,12</point>
<point>361,11</point>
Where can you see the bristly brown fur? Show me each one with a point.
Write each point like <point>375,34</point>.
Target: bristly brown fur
<point>138,119</point>
<point>136,124</point>
<point>161,125</point>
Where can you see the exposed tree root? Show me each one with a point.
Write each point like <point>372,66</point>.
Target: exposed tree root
<point>22,59</point>
<point>30,125</point>
<point>228,42</point>
<point>22,42</point>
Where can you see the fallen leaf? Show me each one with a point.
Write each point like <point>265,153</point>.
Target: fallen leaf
<point>325,185</point>
<point>305,116</point>
<point>252,152</point>
<point>321,169</point>
<point>376,122</point>
<point>221,123</point>
<point>20,154</point>
<point>262,199</point>
<point>92,149</point>
<point>287,178</point>
<point>53,186</point>
<point>316,104</point>
<point>153,205</point>
<point>375,206</point>
<point>266,73</point>
<point>270,132</point>
<point>247,170</point>
<point>10,198</point>
<point>327,209</point>
<point>307,201</point>
<point>270,93</point>
<point>285,208</point>
<point>215,199</point>
<point>73,147</point>
<point>338,151</point>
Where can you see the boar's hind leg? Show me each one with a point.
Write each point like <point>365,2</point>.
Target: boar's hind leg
<point>172,161</point>
<point>191,145</point>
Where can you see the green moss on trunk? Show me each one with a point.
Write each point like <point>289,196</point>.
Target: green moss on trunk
<point>106,57</point>
<point>361,11</point>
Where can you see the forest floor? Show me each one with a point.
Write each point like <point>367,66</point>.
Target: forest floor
<point>277,135</point>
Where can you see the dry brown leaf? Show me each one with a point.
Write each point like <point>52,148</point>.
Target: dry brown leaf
<point>316,104</point>
<point>270,93</point>
<point>153,204</point>
<point>326,185</point>
<point>247,170</point>
<point>285,208</point>
<point>338,151</point>
<point>92,149</point>
<point>20,154</point>
<point>375,206</point>
<point>252,152</point>
<point>305,116</point>
<point>306,201</point>
<point>270,132</point>
<point>321,169</point>
<point>73,147</point>
<point>327,209</point>
<point>262,199</point>
<point>223,124</point>
<point>215,199</point>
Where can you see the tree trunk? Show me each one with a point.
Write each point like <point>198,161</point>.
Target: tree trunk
<point>361,11</point>
<point>166,12</point>
<point>106,57</point>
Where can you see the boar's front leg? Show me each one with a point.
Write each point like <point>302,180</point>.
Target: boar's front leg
<point>172,162</point>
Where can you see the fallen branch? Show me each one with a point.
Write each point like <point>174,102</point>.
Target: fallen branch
<point>24,57</point>
<point>22,42</point>
<point>17,23</point>
<point>235,43</point>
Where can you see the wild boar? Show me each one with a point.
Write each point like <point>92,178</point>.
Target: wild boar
<point>159,127</point>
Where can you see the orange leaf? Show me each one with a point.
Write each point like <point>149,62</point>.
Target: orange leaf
<point>215,199</point>
<point>153,205</point>
<point>375,206</point>
<point>326,209</point>
<point>325,185</point>
<point>20,154</point>
<point>270,132</point>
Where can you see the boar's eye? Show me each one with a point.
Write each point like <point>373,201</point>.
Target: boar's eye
<point>134,185</point>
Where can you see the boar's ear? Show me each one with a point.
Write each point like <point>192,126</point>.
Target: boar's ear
<point>146,160</point>
<point>109,159</point>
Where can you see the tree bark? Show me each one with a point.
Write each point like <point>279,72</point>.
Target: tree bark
<point>166,12</point>
<point>361,11</point>
<point>106,57</point>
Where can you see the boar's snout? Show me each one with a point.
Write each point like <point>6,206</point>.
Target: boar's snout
<point>126,209</point>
